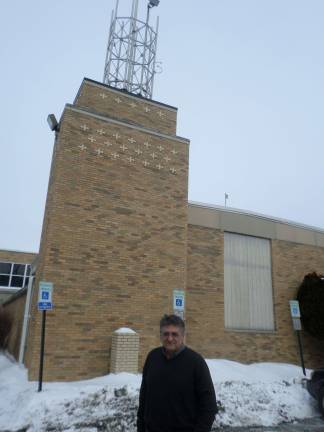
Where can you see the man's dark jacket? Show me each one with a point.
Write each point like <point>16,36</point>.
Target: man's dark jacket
<point>177,394</point>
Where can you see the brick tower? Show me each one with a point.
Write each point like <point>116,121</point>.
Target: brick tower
<point>115,229</point>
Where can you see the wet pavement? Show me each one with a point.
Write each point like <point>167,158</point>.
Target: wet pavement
<point>311,425</point>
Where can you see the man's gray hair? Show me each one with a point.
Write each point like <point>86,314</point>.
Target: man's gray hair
<point>174,320</point>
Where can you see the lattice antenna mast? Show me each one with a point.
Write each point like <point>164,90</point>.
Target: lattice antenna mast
<point>131,52</point>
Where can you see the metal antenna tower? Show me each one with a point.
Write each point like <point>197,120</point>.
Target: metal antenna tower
<point>131,52</point>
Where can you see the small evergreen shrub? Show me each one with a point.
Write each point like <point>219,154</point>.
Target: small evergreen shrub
<point>5,327</point>
<point>311,301</point>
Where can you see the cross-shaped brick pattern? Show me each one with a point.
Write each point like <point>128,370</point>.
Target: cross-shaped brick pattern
<point>120,145</point>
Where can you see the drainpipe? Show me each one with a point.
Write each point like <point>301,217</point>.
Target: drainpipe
<point>26,320</point>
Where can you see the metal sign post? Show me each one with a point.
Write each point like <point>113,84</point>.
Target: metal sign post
<point>295,315</point>
<point>41,358</point>
<point>301,351</point>
<point>44,303</point>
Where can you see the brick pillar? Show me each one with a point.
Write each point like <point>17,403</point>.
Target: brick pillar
<point>114,240</point>
<point>124,351</point>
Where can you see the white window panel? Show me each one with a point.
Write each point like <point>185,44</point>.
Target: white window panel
<point>247,283</point>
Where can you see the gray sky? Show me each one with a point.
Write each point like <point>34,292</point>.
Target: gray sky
<point>246,75</point>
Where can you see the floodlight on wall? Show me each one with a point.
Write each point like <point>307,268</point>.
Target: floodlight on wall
<point>52,122</point>
<point>153,3</point>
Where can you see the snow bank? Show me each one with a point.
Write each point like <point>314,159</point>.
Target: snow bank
<point>125,330</point>
<point>258,394</point>
<point>264,394</point>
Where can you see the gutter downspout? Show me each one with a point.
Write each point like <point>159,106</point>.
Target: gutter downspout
<point>26,320</point>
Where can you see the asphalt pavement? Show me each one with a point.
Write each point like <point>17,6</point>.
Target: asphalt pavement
<point>311,425</point>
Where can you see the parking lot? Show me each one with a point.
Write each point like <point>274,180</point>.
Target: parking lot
<point>311,425</point>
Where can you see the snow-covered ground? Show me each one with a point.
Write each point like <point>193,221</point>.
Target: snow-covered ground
<point>257,394</point>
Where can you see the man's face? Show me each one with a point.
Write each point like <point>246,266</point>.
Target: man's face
<point>172,338</point>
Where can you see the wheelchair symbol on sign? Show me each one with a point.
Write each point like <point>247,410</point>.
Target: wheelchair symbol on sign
<point>45,295</point>
<point>179,302</point>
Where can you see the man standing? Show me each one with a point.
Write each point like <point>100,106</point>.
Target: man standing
<point>177,393</point>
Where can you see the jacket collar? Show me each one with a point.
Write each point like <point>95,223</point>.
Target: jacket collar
<point>175,354</point>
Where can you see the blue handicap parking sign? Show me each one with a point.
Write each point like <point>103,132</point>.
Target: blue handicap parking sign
<point>45,306</point>
<point>178,300</point>
<point>45,295</point>
<point>294,308</point>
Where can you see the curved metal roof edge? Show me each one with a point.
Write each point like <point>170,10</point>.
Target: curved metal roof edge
<point>256,215</point>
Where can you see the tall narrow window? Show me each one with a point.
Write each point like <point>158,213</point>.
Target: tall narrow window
<point>247,283</point>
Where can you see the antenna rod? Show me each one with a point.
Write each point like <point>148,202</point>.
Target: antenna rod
<point>154,60</point>
<point>108,53</point>
<point>145,44</point>
<point>226,198</point>
<point>132,44</point>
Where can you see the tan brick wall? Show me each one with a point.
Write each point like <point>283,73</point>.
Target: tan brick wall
<point>113,242</point>
<point>124,353</point>
<point>16,309</point>
<point>128,108</point>
<point>205,302</point>
<point>17,257</point>
<point>290,263</point>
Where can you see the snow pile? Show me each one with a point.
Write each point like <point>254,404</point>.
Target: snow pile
<point>125,330</point>
<point>264,394</point>
<point>258,394</point>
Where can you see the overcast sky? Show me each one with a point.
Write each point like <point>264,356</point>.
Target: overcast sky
<point>246,75</point>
